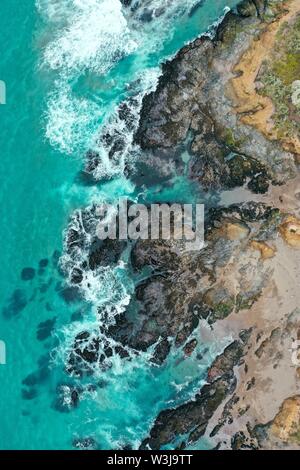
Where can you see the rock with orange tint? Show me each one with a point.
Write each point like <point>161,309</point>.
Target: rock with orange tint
<point>234,230</point>
<point>265,250</point>
<point>286,425</point>
<point>290,231</point>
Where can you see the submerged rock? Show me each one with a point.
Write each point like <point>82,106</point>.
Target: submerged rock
<point>27,274</point>
<point>15,304</point>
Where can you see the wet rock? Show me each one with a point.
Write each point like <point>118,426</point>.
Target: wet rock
<point>190,347</point>
<point>192,417</point>
<point>84,354</point>
<point>146,16</point>
<point>105,253</point>
<point>76,276</point>
<point>226,417</point>
<point>67,398</point>
<point>161,351</point>
<point>190,111</point>
<point>113,138</point>
<point>183,287</point>
<point>226,361</point>
<point>92,351</point>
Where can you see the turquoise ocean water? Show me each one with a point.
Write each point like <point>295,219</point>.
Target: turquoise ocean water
<point>67,64</point>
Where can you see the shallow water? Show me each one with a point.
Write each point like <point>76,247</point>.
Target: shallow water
<point>67,64</point>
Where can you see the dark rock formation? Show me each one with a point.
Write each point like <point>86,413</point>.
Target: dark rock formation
<point>192,417</point>
<point>184,287</point>
<point>191,110</point>
<point>90,352</point>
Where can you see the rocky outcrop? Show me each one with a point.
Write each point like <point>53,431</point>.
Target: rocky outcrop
<point>192,418</point>
<point>228,275</point>
<point>192,121</point>
<point>183,287</point>
<point>192,109</point>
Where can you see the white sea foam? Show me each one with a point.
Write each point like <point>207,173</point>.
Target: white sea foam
<point>92,36</point>
<point>121,127</point>
<point>95,36</point>
<point>104,286</point>
<point>70,121</point>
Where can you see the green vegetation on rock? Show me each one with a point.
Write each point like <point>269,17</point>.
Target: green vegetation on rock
<point>279,74</point>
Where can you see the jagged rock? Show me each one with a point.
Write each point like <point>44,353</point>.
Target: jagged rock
<point>190,347</point>
<point>248,8</point>
<point>161,351</point>
<point>182,287</point>
<point>191,110</point>
<point>68,397</point>
<point>192,417</point>
<point>92,351</point>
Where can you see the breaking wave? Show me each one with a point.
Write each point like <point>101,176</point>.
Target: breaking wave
<point>87,40</point>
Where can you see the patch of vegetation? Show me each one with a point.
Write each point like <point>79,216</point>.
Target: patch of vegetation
<point>223,309</point>
<point>230,140</point>
<point>295,437</point>
<point>279,74</point>
<point>245,303</point>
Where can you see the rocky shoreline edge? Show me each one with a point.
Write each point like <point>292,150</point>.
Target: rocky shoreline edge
<point>243,282</point>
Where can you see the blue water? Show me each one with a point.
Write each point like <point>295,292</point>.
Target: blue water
<point>67,64</point>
